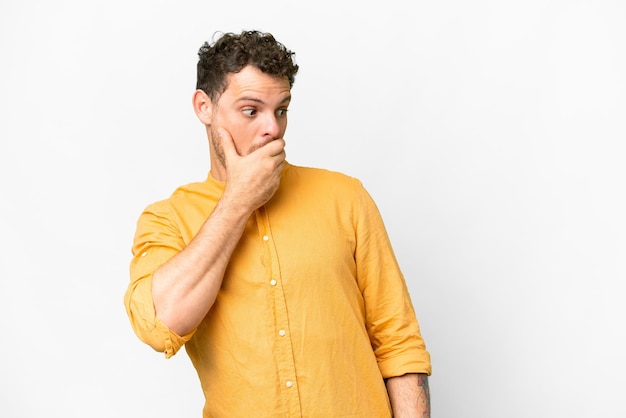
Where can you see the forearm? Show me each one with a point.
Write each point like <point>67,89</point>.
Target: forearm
<point>409,395</point>
<point>185,288</point>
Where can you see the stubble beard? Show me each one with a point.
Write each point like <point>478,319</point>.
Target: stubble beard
<point>218,148</point>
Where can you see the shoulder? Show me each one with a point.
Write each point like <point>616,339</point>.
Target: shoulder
<point>187,194</point>
<point>327,179</point>
<point>169,212</point>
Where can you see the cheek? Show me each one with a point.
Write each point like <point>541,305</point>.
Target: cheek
<point>237,130</point>
<point>243,138</point>
<point>282,123</point>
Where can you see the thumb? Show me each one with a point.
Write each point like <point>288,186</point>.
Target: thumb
<point>228,145</point>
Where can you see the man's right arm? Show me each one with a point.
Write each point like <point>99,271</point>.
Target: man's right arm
<point>185,288</point>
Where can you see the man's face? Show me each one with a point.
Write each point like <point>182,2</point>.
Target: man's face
<point>253,108</point>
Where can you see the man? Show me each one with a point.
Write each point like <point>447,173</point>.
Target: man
<point>279,280</point>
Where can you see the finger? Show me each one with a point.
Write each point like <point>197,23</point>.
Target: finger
<point>228,145</point>
<point>276,147</point>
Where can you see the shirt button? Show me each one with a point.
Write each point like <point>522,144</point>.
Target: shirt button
<point>282,332</point>
<point>289,383</point>
<point>273,282</point>
<point>266,238</point>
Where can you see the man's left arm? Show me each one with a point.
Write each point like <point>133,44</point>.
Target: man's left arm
<point>409,395</point>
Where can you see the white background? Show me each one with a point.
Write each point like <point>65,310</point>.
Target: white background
<point>491,134</point>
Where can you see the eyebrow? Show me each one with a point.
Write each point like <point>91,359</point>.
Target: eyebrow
<point>287,99</point>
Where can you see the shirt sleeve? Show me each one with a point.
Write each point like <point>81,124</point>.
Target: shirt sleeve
<point>390,317</point>
<point>157,239</point>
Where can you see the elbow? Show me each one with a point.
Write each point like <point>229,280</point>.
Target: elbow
<point>147,327</point>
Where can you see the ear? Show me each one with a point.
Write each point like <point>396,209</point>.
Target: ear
<point>203,106</point>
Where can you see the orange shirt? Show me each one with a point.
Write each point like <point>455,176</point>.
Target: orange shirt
<point>313,311</point>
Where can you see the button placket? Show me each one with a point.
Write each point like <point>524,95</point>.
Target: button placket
<point>284,350</point>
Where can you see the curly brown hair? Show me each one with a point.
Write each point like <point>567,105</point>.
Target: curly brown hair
<point>231,52</point>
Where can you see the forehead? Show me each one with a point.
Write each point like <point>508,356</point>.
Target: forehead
<point>251,81</point>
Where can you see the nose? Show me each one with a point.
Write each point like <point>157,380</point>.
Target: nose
<point>271,127</point>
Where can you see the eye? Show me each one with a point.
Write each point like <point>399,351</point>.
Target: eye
<point>281,112</point>
<point>249,112</point>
